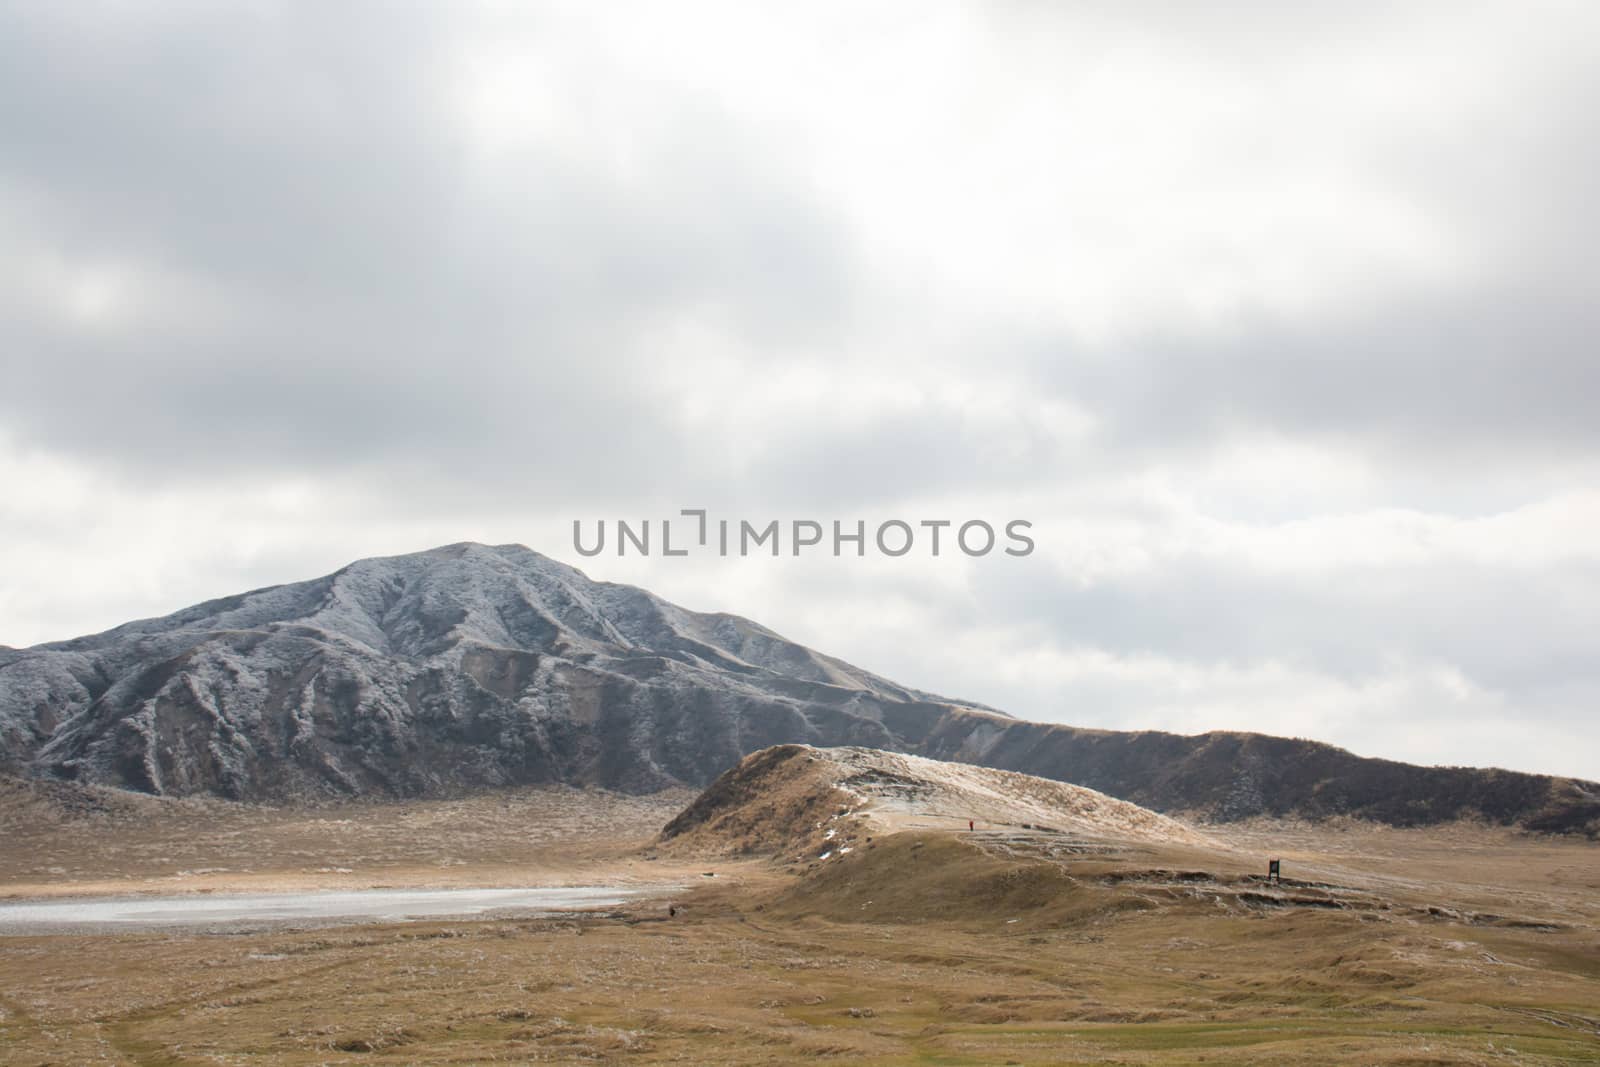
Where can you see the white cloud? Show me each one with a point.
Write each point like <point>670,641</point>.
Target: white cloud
<point>1272,320</point>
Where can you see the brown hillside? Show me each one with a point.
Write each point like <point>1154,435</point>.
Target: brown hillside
<point>806,803</point>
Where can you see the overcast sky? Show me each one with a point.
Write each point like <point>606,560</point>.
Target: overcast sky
<point>1277,321</point>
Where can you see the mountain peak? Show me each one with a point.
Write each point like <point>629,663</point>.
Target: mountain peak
<point>435,671</point>
<point>473,666</point>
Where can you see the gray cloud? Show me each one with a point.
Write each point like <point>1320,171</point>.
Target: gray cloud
<point>1508,631</point>
<point>317,280</point>
<point>375,297</point>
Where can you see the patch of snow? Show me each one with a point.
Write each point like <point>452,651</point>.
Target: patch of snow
<point>903,785</point>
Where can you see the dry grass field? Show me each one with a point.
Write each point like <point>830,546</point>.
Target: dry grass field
<point>70,840</point>
<point>1462,945</point>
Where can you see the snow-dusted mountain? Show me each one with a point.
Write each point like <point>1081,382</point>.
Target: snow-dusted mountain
<point>462,667</point>
<point>469,667</point>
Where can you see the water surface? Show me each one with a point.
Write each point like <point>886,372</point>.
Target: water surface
<point>388,905</point>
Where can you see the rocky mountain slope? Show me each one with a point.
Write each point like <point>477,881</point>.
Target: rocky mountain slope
<point>1226,775</point>
<point>469,667</point>
<point>459,668</point>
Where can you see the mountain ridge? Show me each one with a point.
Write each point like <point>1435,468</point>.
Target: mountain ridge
<point>469,666</point>
<point>449,669</point>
